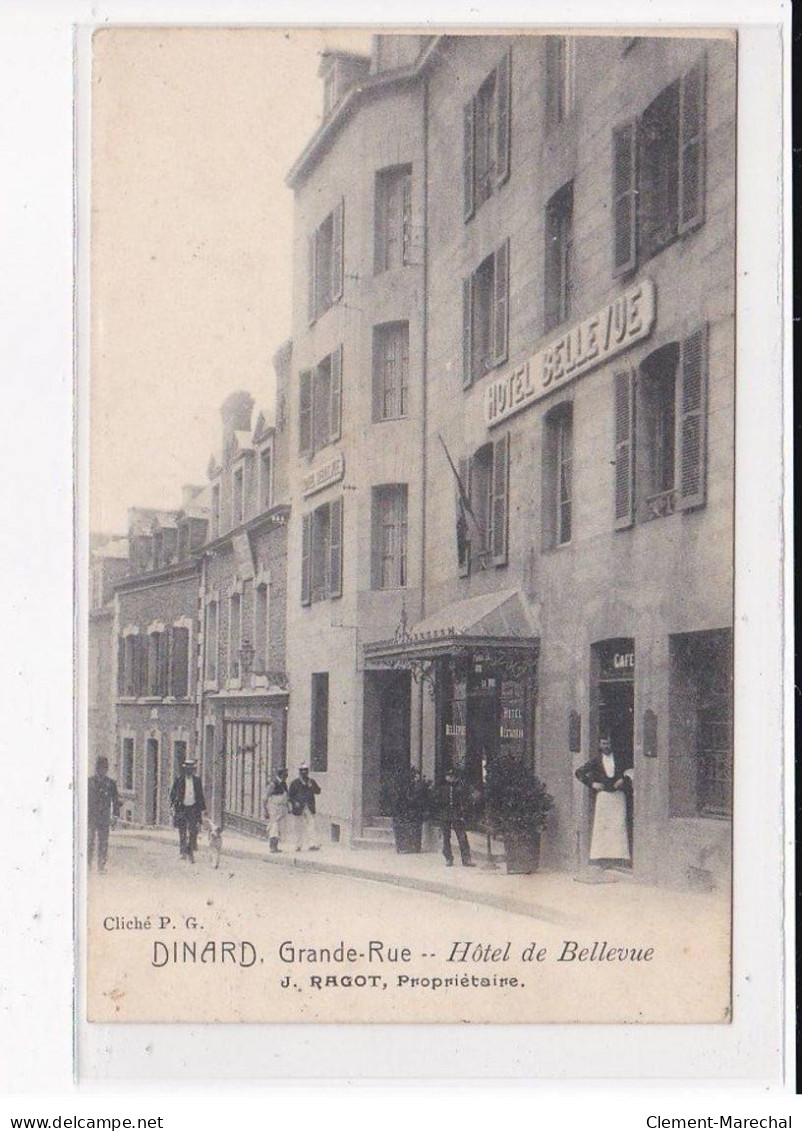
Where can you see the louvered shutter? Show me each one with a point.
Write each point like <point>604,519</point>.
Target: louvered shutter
<point>142,665</point>
<point>624,449</point>
<point>180,663</point>
<point>501,303</point>
<point>305,412</point>
<point>337,254</point>
<point>625,198</point>
<point>503,116</point>
<point>691,456</point>
<point>336,399</point>
<point>467,332</point>
<point>692,148</point>
<point>168,646</point>
<point>375,539</point>
<point>336,548</point>
<point>312,278</point>
<point>306,560</point>
<point>501,489</point>
<point>468,160</point>
<point>463,529</point>
<point>162,661</point>
<point>120,665</point>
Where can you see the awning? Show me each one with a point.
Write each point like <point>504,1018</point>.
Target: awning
<point>492,620</point>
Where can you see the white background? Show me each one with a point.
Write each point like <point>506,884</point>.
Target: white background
<point>36,474</point>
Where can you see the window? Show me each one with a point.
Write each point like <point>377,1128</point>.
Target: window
<point>326,263</point>
<point>485,316</point>
<point>216,510</point>
<point>234,634</point>
<point>321,553</point>
<point>157,664</point>
<point>179,662</point>
<point>658,172</point>
<point>558,453</point>
<point>319,735</point>
<point>482,507</point>
<point>486,137</point>
<point>127,768</point>
<point>560,67</point>
<point>266,478</point>
<point>238,496</point>
<point>320,404</point>
<point>558,272</point>
<point>390,371</point>
<point>131,668</point>
<point>661,466</point>
<point>261,629</point>
<point>389,537</point>
<point>211,641</point>
<point>393,218</point>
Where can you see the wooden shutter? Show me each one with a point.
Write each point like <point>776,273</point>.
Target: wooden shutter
<point>169,647</point>
<point>180,663</point>
<point>336,548</point>
<point>305,412</point>
<point>468,161</point>
<point>306,560</point>
<point>163,661</point>
<point>375,537</point>
<point>141,653</point>
<point>501,303</point>
<point>625,198</point>
<point>467,332</point>
<point>499,522</point>
<point>624,449</point>
<point>692,148</point>
<point>691,457</point>
<point>312,278</point>
<point>337,236</point>
<point>336,395</point>
<point>463,530</point>
<point>121,665</point>
<point>503,116</point>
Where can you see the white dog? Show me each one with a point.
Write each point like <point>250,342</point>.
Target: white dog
<point>215,842</point>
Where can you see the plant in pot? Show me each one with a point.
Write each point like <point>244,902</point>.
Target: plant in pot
<point>408,797</point>
<point>518,806</point>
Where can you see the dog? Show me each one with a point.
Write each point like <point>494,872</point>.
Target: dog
<point>215,843</point>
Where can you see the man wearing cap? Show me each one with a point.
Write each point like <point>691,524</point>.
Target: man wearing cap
<point>302,806</point>
<point>189,804</point>
<point>103,808</point>
<point>276,808</point>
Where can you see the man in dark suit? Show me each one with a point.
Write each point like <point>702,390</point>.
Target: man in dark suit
<point>302,794</point>
<point>455,810</point>
<point>103,807</point>
<point>189,805</point>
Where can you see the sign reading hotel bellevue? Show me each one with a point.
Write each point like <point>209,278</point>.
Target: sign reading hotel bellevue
<point>622,322</point>
<point>330,472</point>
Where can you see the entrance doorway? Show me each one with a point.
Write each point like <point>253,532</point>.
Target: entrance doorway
<point>247,757</point>
<point>394,720</point>
<point>614,663</point>
<point>152,782</point>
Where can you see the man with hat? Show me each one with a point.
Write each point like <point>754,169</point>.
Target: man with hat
<point>189,805</point>
<point>103,808</point>
<point>302,806</point>
<point>276,808</point>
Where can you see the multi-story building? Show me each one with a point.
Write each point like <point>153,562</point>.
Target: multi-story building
<point>512,426</point>
<point>108,564</point>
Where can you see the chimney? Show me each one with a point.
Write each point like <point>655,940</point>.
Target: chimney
<point>236,413</point>
<point>189,493</point>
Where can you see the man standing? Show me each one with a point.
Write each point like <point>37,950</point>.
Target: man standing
<point>189,805</point>
<point>302,805</point>
<point>455,811</point>
<point>104,806</point>
<point>276,808</point>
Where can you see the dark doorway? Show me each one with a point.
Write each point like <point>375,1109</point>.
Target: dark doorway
<point>615,704</point>
<point>394,724</point>
<point>152,783</point>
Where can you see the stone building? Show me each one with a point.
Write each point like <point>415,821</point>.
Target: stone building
<point>512,427</point>
<point>108,564</point>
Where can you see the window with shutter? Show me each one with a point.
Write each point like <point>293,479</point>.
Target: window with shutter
<point>120,665</point>
<point>306,559</point>
<point>692,147</point>
<point>305,412</point>
<point>468,183</point>
<point>503,116</point>
<point>624,449</point>
<point>500,513</point>
<point>501,305</point>
<point>337,251</point>
<point>312,278</point>
<point>558,267</point>
<point>180,663</point>
<point>141,647</point>
<point>467,332</point>
<point>692,431</point>
<point>335,421</point>
<point>625,219</point>
<point>463,527</point>
<point>336,544</point>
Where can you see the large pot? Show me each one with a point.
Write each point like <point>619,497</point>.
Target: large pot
<point>522,851</point>
<point>408,834</point>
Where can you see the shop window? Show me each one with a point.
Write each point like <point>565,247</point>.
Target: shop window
<point>210,642</point>
<point>127,768</point>
<point>560,68</point>
<point>179,662</point>
<point>485,316</point>
<point>319,735</point>
<point>486,137</point>
<point>389,537</point>
<point>321,553</point>
<point>266,478</point>
<point>320,404</point>
<point>482,507</point>
<point>557,494</point>
<point>658,172</point>
<point>390,371</point>
<point>326,263</point>
<point>393,218</point>
<point>559,256</point>
<point>234,634</point>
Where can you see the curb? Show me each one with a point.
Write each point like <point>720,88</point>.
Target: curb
<point>415,883</point>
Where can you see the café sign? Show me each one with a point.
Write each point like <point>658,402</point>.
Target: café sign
<point>625,320</point>
<point>330,472</point>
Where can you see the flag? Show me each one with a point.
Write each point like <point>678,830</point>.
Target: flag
<point>465,509</point>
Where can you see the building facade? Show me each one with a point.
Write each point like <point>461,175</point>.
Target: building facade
<point>108,564</point>
<point>515,505</point>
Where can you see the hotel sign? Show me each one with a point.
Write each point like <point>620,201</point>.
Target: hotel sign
<point>614,328</point>
<point>328,473</point>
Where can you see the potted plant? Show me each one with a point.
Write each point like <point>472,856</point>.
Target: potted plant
<point>408,796</point>
<point>518,806</point>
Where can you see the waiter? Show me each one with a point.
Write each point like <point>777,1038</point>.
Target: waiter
<point>103,807</point>
<point>189,805</point>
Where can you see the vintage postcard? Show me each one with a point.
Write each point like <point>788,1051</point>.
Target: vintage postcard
<point>412,411</point>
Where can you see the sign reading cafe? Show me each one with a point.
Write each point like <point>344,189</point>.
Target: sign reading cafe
<point>618,325</point>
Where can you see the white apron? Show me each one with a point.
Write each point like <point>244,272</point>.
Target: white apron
<point>610,840</point>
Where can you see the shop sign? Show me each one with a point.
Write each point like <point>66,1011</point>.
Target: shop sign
<point>618,664</point>
<point>323,476</point>
<point>625,320</point>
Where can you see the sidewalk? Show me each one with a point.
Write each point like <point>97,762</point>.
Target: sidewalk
<point>548,896</point>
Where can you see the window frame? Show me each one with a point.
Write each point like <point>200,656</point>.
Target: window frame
<point>390,510</point>
<point>386,334</point>
<point>392,211</point>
